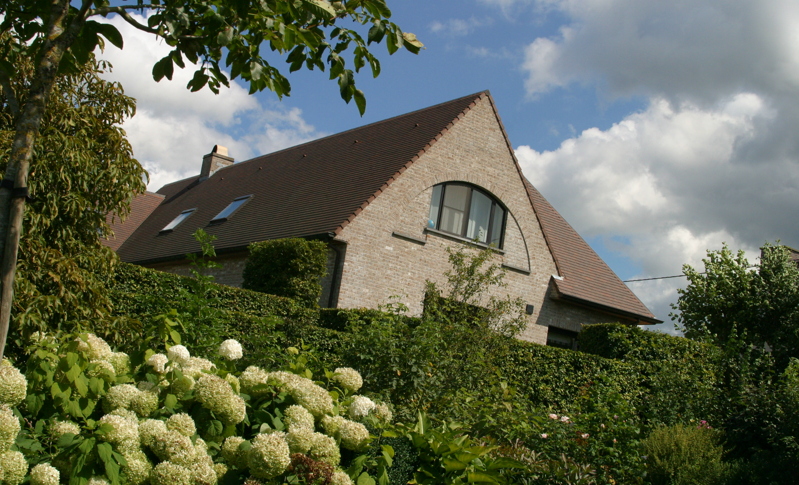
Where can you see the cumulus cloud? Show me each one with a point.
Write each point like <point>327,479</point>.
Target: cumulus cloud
<point>173,128</point>
<point>671,181</point>
<point>713,157</point>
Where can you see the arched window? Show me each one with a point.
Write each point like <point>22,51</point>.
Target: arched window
<point>468,212</point>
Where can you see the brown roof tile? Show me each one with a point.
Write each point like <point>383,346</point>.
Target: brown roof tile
<point>306,190</point>
<point>140,208</point>
<point>586,278</point>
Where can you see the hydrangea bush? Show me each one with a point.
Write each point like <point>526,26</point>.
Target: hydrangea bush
<point>82,415</point>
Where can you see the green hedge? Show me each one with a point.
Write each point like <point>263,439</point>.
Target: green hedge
<point>135,290</point>
<point>290,267</point>
<point>345,319</point>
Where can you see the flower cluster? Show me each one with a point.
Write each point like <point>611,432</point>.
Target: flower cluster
<point>231,350</point>
<point>13,385</point>
<point>161,445</point>
<point>349,379</point>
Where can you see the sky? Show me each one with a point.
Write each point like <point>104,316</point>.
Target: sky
<point>659,130</point>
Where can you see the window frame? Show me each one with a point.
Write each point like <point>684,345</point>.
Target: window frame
<point>220,218</point>
<point>178,220</point>
<point>495,203</point>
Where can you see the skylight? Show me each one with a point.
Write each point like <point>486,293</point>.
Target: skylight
<point>231,208</point>
<point>177,220</point>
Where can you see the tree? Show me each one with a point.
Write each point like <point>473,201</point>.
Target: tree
<point>83,169</point>
<point>733,299</point>
<point>214,34</point>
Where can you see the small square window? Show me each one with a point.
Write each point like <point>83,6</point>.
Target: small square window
<point>231,208</point>
<point>177,220</point>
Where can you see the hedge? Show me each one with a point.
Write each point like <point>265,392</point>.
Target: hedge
<point>142,291</point>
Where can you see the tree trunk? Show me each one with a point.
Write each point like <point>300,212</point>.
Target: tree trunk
<point>12,210</point>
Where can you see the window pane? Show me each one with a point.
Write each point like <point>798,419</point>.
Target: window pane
<point>435,204</point>
<point>452,215</point>
<point>230,208</point>
<point>498,220</point>
<point>479,214</point>
<point>176,221</point>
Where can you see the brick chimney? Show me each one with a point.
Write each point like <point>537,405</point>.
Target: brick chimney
<point>215,160</point>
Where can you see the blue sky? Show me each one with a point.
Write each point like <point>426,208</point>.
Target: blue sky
<point>658,129</point>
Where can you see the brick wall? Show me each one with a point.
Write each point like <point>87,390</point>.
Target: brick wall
<point>379,264</point>
<point>390,253</point>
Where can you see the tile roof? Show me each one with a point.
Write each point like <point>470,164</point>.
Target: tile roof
<point>586,279</point>
<point>316,188</point>
<point>307,190</point>
<point>140,209</point>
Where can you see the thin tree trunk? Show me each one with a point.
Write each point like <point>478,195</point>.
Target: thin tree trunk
<point>12,210</point>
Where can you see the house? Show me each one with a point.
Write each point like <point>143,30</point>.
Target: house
<point>390,198</point>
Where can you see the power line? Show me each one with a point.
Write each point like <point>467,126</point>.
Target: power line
<point>675,276</point>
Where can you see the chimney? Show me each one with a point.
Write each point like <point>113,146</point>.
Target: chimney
<point>215,160</point>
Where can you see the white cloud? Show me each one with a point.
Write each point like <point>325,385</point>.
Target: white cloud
<point>713,158</point>
<point>173,128</point>
<point>670,181</point>
<point>459,27</point>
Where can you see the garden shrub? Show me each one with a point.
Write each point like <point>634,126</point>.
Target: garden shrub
<point>685,455</point>
<point>287,267</point>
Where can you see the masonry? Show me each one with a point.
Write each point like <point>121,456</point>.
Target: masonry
<point>369,193</point>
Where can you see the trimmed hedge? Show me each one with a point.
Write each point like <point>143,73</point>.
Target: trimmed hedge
<point>138,291</point>
<point>347,319</point>
<point>290,267</point>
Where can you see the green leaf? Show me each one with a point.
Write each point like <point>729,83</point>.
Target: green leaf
<point>170,401</point>
<point>111,33</point>
<point>225,37</point>
<point>478,477</point>
<point>360,101</point>
<point>452,465</point>
<point>365,479</point>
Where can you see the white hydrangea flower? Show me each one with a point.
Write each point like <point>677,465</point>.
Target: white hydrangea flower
<point>182,423</point>
<point>231,350</point>
<point>203,474</point>
<point>60,428</point>
<point>150,430</point>
<point>179,354</point>
<point>124,433</point>
<point>354,436</point>
<point>220,469</point>
<point>9,428</point>
<point>196,367</point>
<point>158,363</point>
<point>144,403</point>
<point>348,378</point>
<point>102,369</point>
<point>269,456</point>
<point>383,413</point>
<point>119,396</point>
<point>339,477</point>
<point>361,407</point>
<point>138,468</point>
<point>95,480</point>
<point>307,394</point>
<point>121,362</point>
<point>95,347</point>
<point>125,413</point>
<point>173,446</point>
<point>325,449</point>
<point>15,467</point>
<point>331,424</point>
<point>13,385</point>
<point>297,416</point>
<point>44,474</point>
<point>300,439</point>
<point>232,453</point>
<point>251,378</point>
<point>167,473</point>
<point>183,385</point>
<point>216,394</point>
